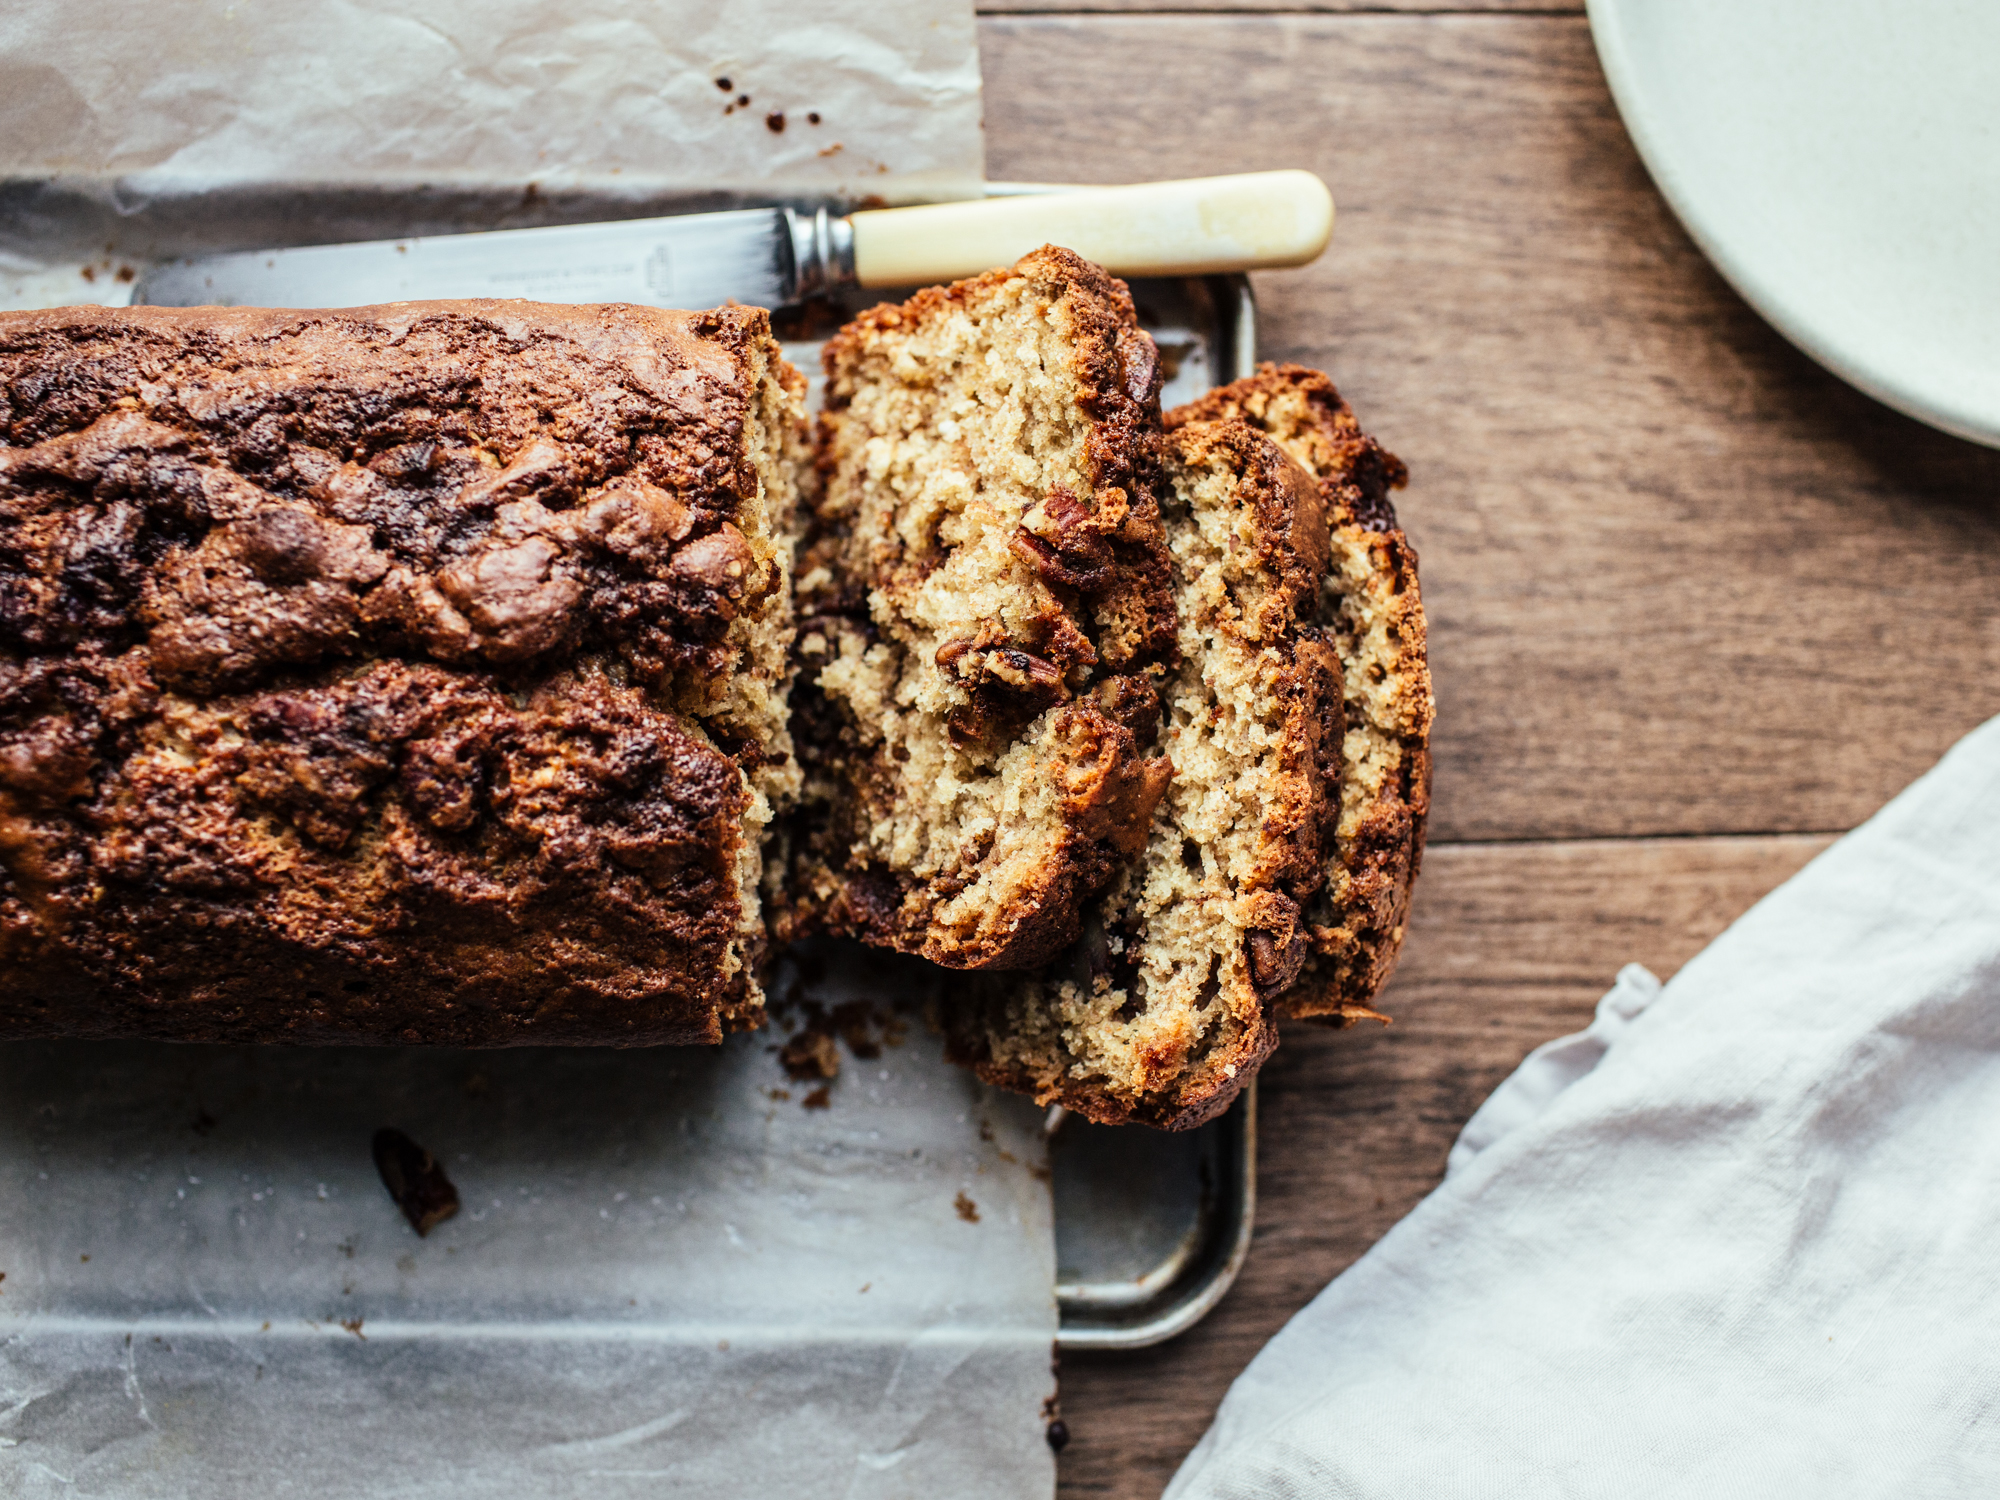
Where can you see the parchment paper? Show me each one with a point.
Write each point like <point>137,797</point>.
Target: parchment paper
<point>138,128</point>
<point>669,1275</point>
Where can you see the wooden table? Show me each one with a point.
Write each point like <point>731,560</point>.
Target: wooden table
<point>1695,606</point>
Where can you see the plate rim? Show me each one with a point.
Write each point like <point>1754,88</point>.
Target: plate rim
<point>1621,73</point>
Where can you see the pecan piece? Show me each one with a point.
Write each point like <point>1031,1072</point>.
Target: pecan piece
<point>1077,556</point>
<point>1278,946</point>
<point>1054,567</point>
<point>1273,966</point>
<point>1008,686</point>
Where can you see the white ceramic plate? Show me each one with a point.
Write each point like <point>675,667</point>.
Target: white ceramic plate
<point>1839,161</point>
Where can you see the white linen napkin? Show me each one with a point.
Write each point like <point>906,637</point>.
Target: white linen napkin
<point>1754,1250</point>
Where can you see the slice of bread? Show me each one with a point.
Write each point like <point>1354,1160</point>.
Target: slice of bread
<point>1374,614</point>
<point>984,615</point>
<point>1278,867</point>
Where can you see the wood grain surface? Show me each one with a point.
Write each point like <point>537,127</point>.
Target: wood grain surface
<point>1695,605</point>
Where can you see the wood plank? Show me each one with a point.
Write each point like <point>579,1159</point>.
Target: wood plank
<point>1510,944</point>
<point>1680,580</point>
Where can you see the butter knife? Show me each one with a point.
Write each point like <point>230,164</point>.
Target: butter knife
<point>775,257</point>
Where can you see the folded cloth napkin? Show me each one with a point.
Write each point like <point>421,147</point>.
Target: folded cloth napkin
<point>1754,1250</point>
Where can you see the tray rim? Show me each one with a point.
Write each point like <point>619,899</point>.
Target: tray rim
<point>1204,1267</point>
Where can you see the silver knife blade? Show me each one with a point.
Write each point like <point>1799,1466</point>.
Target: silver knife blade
<point>687,260</point>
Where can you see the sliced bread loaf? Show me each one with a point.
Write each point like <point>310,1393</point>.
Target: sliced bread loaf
<point>1374,616</point>
<point>1278,867</point>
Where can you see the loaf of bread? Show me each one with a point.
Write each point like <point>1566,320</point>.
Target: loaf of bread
<point>428,673</point>
<point>1296,717</point>
<point>984,619</point>
<point>398,674</point>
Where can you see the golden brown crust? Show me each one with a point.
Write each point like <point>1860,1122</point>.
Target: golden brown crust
<point>1090,620</point>
<point>1376,618</point>
<point>1192,1104</point>
<point>356,672</point>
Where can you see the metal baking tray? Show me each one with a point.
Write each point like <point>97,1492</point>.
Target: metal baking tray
<point>1150,1232</point>
<point>1151,1229</point>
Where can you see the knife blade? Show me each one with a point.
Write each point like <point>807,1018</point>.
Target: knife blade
<point>774,257</point>
<point>687,260</point>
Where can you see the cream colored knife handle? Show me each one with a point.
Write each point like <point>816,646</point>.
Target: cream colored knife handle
<point>1244,223</point>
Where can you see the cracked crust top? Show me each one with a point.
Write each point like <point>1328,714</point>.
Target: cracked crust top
<point>409,673</point>
<point>984,619</point>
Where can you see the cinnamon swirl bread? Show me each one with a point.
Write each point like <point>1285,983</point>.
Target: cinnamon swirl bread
<point>408,673</point>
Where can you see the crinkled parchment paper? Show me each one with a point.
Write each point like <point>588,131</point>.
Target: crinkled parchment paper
<point>138,128</point>
<point>674,1272</point>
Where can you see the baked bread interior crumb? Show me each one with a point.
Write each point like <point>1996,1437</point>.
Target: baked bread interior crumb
<point>1277,874</point>
<point>1373,612</point>
<point>984,620</point>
